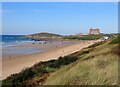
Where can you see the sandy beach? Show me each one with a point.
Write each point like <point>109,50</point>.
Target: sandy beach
<point>17,63</point>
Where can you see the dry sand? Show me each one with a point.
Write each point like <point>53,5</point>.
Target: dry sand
<point>16,64</point>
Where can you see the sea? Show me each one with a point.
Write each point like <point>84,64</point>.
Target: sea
<point>10,45</point>
<point>13,40</point>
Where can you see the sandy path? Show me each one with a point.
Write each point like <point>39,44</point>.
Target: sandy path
<point>15,65</point>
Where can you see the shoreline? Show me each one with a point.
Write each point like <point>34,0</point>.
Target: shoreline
<point>16,64</point>
<point>30,48</point>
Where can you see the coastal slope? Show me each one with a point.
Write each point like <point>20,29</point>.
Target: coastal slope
<point>96,64</point>
<point>99,66</point>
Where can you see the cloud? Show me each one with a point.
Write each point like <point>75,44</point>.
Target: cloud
<point>38,10</point>
<point>5,11</point>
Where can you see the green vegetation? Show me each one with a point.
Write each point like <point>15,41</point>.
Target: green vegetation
<point>97,44</point>
<point>86,37</point>
<point>97,67</point>
<point>76,37</point>
<point>116,40</point>
<point>38,35</point>
<point>38,70</point>
<point>94,65</point>
<point>0,83</point>
<point>116,50</point>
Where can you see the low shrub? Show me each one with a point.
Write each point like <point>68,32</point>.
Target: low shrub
<point>38,69</point>
<point>116,50</point>
<point>116,40</point>
<point>96,44</point>
<point>85,37</point>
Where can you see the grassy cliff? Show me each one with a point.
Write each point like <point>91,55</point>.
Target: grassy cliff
<point>94,65</point>
<point>99,66</point>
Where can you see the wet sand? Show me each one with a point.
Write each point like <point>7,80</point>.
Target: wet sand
<point>15,64</point>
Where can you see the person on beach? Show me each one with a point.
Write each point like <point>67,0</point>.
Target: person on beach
<point>9,56</point>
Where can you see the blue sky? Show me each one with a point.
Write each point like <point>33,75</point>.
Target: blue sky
<point>59,17</point>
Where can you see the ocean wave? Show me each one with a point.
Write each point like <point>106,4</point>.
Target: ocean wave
<point>9,37</point>
<point>24,41</point>
<point>17,41</point>
<point>2,42</point>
